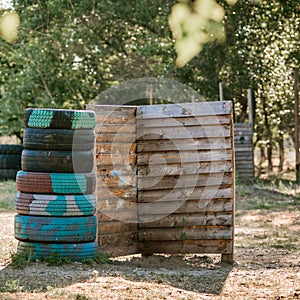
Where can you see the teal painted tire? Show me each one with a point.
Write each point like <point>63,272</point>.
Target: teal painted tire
<point>57,161</point>
<point>56,183</point>
<point>11,149</point>
<point>76,252</point>
<point>59,118</point>
<point>58,139</point>
<point>55,205</point>
<point>55,229</point>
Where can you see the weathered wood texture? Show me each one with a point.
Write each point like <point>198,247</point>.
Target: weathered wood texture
<point>185,172</point>
<point>244,157</point>
<point>165,178</point>
<point>115,152</point>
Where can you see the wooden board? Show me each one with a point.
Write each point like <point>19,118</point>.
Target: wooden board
<point>186,233</point>
<point>184,145</point>
<point>183,122</point>
<point>187,246</point>
<point>185,206</point>
<point>108,148</point>
<point>191,132</point>
<point>201,219</point>
<point>194,193</point>
<point>184,110</point>
<point>184,181</point>
<point>176,157</point>
<point>187,168</point>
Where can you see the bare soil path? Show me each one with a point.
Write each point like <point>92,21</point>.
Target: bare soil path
<point>267,263</point>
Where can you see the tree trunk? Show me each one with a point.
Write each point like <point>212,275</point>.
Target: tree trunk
<point>281,152</point>
<point>269,133</point>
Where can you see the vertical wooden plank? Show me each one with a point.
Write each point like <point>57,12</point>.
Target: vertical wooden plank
<point>115,152</point>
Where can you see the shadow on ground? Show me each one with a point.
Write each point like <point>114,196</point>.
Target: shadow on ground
<point>200,274</point>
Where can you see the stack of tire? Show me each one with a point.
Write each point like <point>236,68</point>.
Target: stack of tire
<point>10,161</point>
<point>56,201</point>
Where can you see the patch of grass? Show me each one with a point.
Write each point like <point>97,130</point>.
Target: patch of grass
<point>21,260</point>
<point>81,297</point>
<point>99,258</point>
<point>7,195</point>
<point>11,286</point>
<point>268,195</point>
<point>54,259</point>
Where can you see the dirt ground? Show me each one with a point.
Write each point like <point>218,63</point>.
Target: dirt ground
<point>267,263</point>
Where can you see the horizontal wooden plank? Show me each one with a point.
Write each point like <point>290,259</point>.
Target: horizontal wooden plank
<point>108,148</point>
<point>203,193</point>
<point>170,133</point>
<point>242,125</point>
<point>244,150</point>
<point>110,119</point>
<point>115,138</point>
<point>116,181</point>
<point>180,169</point>
<point>180,145</point>
<point>186,219</point>
<point>176,157</point>
<point>115,159</point>
<point>184,109</point>
<point>126,192</point>
<point>116,227</point>
<point>112,110</point>
<point>182,122</point>
<point>184,181</point>
<point>127,215</point>
<point>185,206</point>
<point>116,203</point>
<point>115,128</point>
<point>177,234</point>
<point>119,243</point>
<point>118,170</point>
<point>187,246</point>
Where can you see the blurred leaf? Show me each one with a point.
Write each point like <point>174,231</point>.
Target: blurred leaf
<point>9,23</point>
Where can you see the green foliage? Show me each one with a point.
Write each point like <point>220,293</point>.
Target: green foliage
<point>21,260</point>
<point>68,52</point>
<point>55,259</point>
<point>99,258</point>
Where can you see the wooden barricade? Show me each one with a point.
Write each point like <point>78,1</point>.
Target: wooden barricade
<point>166,178</point>
<point>244,157</point>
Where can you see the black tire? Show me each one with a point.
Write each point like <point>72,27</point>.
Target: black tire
<point>11,149</point>
<point>55,229</point>
<point>57,161</point>
<point>55,205</point>
<point>10,161</point>
<point>56,183</point>
<point>7,174</point>
<point>59,118</point>
<point>58,139</point>
<point>74,251</point>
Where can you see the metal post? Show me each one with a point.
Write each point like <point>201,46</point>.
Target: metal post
<point>221,91</point>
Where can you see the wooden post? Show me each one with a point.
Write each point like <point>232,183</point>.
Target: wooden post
<point>221,91</point>
<point>296,96</point>
<point>250,107</point>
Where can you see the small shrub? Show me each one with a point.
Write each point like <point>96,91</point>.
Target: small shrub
<point>21,260</point>
<point>54,259</point>
<point>99,258</point>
